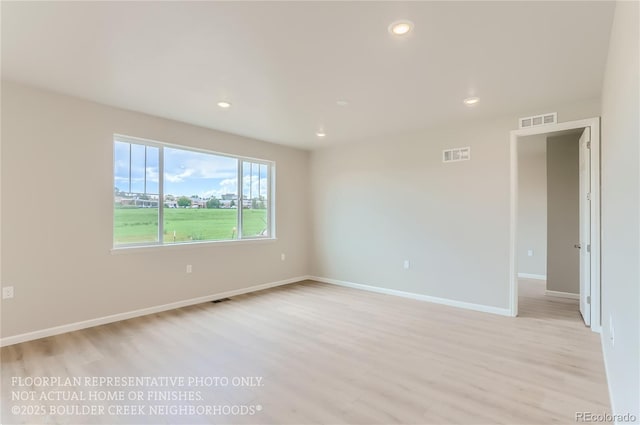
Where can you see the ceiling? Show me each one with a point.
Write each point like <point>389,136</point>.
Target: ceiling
<point>283,65</point>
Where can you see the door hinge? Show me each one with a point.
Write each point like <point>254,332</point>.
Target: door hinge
<point>588,299</point>
<point>588,247</point>
<point>588,145</point>
<point>589,196</point>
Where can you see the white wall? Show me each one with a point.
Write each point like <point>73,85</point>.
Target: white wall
<point>57,253</point>
<point>532,205</point>
<point>621,211</point>
<point>379,202</point>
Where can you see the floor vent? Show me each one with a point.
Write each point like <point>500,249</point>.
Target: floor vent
<point>221,300</point>
<point>537,120</point>
<point>456,154</point>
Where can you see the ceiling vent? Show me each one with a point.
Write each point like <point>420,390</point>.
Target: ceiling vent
<point>457,154</point>
<point>537,120</point>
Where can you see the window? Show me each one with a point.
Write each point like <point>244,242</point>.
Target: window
<point>166,194</point>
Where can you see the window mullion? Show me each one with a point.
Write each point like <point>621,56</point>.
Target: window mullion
<point>239,196</point>
<point>160,195</point>
<point>270,204</point>
<point>145,169</point>
<point>130,167</point>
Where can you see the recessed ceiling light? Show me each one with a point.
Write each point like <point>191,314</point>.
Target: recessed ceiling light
<point>402,27</point>
<point>320,133</point>
<point>342,102</point>
<point>224,105</point>
<point>471,101</point>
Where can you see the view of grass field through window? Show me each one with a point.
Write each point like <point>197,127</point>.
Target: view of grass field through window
<point>199,196</point>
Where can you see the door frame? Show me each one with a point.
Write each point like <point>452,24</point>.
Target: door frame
<point>584,224</point>
<point>594,124</point>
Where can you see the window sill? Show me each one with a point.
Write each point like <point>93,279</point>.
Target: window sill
<point>135,249</point>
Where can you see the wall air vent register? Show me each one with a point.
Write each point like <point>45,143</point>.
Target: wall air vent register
<point>456,154</point>
<point>537,120</point>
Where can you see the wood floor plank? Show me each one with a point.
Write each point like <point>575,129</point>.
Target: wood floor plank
<point>332,355</point>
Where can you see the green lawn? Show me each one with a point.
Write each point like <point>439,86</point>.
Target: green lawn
<point>136,225</point>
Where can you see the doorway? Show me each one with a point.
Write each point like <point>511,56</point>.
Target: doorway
<point>586,266</point>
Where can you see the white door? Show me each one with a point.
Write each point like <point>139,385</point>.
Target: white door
<point>585,226</point>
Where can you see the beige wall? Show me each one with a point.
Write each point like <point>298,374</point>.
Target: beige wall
<point>57,254</point>
<point>532,205</point>
<point>621,211</point>
<point>563,214</point>
<point>373,205</point>
<point>381,201</point>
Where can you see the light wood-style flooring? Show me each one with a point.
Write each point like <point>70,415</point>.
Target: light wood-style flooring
<point>331,355</point>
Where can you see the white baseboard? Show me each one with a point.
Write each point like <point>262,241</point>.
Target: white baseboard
<point>421,297</point>
<point>532,276</point>
<point>607,375</point>
<point>562,295</point>
<point>56,330</point>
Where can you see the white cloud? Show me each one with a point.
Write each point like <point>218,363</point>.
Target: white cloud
<point>179,177</point>
<point>225,186</point>
<point>254,187</point>
<point>181,164</point>
<point>152,174</point>
<point>229,185</point>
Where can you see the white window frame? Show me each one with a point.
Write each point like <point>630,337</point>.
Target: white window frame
<point>271,165</point>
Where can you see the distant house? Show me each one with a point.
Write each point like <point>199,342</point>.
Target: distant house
<point>124,201</point>
<point>136,201</point>
<point>146,203</point>
<point>198,203</point>
<point>226,203</point>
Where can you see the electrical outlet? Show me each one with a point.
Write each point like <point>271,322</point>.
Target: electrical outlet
<point>612,333</point>
<point>7,292</point>
<point>189,268</point>
<point>530,253</point>
<point>283,257</point>
<point>406,264</point>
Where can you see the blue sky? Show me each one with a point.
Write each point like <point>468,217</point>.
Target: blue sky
<point>185,172</point>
